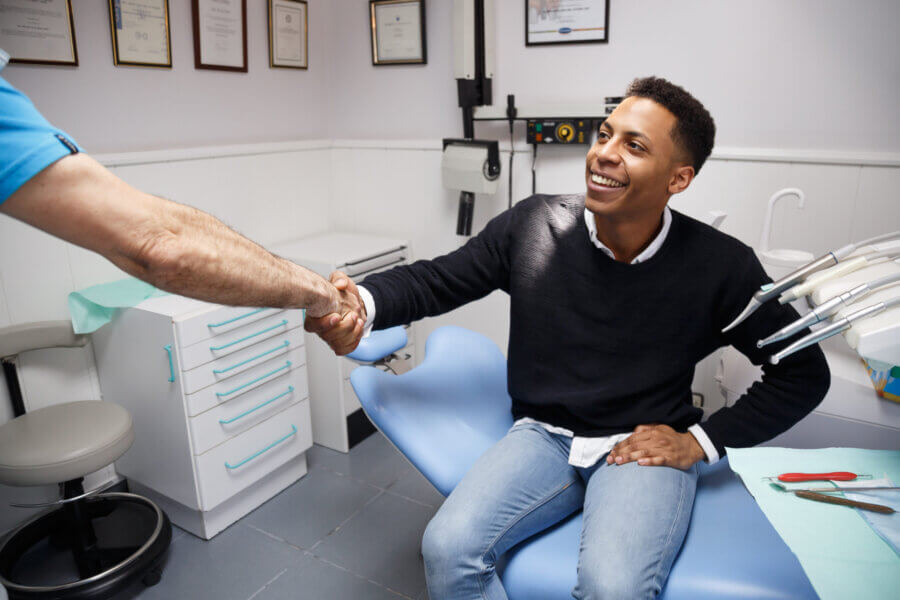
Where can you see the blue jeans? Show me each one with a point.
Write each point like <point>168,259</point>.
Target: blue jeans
<point>635,519</point>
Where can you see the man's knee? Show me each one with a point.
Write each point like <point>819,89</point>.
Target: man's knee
<point>614,583</point>
<point>448,542</point>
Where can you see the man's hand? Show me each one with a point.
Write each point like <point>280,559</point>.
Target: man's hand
<point>342,331</point>
<point>657,445</point>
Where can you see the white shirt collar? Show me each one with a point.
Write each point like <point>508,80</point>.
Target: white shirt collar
<point>648,252</point>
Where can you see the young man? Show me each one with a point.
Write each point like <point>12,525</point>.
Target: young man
<point>614,299</point>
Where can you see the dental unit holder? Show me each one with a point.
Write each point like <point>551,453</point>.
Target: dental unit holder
<point>774,290</point>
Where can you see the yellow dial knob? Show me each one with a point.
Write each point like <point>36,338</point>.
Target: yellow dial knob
<point>565,133</point>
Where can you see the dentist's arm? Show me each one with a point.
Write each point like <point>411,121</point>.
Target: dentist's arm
<point>174,247</point>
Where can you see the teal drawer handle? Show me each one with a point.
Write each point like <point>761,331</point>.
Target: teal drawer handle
<point>281,346</point>
<point>287,365</point>
<point>256,408</point>
<point>249,314</point>
<point>252,335</point>
<point>168,348</point>
<point>264,450</point>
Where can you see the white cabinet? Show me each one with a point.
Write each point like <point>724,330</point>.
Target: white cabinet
<point>219,400</point>
<point>338,420</point>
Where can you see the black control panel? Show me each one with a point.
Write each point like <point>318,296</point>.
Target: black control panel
<point>559,131</point>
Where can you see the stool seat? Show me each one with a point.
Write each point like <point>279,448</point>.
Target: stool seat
<point>63,442</point>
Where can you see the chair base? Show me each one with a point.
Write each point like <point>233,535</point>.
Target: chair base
<point>88,552</point>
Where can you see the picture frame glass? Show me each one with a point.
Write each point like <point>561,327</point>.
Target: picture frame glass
<point>140,31</point>
<point>43,34</point>
<point>566,22</point>
<point>288,34</point>
<point>397,32</point>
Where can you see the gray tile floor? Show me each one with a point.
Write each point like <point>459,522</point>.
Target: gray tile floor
<point>349,530</point>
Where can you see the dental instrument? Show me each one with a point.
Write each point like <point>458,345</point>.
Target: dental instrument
<point>783,488</point>
<point>773,290</point>
<point>879,508</point>
<point>826,309</point>
<point>848,266</point>
<point>833,329</point>
<point>834,476</point>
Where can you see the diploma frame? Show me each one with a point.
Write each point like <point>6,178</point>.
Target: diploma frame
<point>273,63</point>
<point>115,41</point>
<point>379,62</point>
<point>198,64</point>
<point>65,63</point>
<point>602,38</point>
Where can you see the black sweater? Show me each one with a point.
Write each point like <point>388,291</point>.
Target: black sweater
<point>599,346</point>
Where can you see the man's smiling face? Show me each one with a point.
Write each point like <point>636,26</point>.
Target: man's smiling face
<point>630,168</point>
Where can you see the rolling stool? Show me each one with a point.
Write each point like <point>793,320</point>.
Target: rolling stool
<point>106,541</point>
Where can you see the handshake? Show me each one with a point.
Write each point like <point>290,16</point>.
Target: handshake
<point>341,324</point>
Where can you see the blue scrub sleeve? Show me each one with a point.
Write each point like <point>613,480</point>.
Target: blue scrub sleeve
<point>28,142</point>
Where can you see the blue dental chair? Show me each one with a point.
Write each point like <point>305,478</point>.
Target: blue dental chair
<point>446,412</point>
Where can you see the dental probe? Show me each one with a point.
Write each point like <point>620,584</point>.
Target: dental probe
<point>773,290</point>
<point>842,268</point>
<point>833,329</point>
<point>826,309</point>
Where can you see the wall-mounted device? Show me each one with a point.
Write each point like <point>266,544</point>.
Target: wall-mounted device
<point>472,167</point>
<point>473,68</point>
<point>558,131</point>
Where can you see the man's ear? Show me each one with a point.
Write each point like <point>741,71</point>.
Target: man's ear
<point>681,179</point>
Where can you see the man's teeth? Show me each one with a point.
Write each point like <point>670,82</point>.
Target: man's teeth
<point>601,180</point>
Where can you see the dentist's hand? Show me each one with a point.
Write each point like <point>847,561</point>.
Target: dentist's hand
<point>657,445</point>
<point>341,331</point>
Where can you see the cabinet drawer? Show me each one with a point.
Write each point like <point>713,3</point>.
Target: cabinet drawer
<point>211,323</point>
<point>233,341</point>
<point>276,369</point>
<point>241,461</point>
<point>229,367</point>
<point>230,419</point>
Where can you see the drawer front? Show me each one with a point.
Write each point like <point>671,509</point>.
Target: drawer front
<point>215,322</point>
<point>276,369</point>
<point>229,419</point>
<point>235,340</point>
<point>232,366</point>
<point>245,459</point>
<point>388,259</point>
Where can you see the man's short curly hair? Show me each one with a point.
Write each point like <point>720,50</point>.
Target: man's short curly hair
<point>695,130</point>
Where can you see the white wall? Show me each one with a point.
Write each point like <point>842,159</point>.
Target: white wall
<point>113,109</point>
<point>804,74</point>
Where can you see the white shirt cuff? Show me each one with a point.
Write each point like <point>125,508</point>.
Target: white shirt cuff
<point>369,304</point>
<point>712,455</point>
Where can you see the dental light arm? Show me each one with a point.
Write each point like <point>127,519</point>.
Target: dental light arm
<point>826,309</point>
<point>833,329</point>
<point>774,290</point>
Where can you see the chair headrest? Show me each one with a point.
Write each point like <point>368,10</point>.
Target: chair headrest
<point>37,336</point>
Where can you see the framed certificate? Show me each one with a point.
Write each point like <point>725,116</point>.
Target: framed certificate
<point>220,35</point>
<point>288,34</point>
<point>566,22</point>
<point>140,33</point>
<point>398,32</point>
<point>38,33</point>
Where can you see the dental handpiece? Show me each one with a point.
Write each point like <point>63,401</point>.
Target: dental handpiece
<point>843,268</point>
<point>833,329</point>
<point>826,309</point>
<point>769,291</point>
